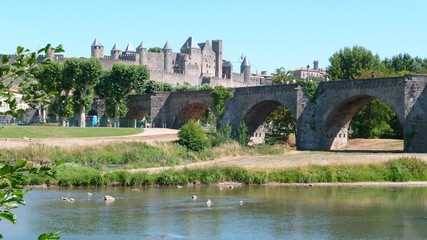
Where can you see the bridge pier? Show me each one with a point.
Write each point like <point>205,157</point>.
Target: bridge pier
<point>322,124</point>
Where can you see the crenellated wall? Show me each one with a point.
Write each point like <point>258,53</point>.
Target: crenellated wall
<point>195,61</point>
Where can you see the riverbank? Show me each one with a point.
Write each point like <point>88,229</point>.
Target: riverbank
<point>151,158</point>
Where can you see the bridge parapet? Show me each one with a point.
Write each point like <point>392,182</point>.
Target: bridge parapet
<point>321,124</point>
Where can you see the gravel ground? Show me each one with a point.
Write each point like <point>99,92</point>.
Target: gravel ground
<point>359,151</point>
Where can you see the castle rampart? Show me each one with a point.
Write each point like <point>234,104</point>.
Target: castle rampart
<point>192,64</point>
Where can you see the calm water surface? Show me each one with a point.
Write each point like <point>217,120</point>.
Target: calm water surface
<point>267,213</point>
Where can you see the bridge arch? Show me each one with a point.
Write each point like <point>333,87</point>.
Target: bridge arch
<point>190,111</point>
<point>258,113</point>
<point>338,119</point>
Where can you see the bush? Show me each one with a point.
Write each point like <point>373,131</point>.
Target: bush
<point>193,136</point>
<point>243,134</point>
<point>221,136</point>
<point>407,169</point>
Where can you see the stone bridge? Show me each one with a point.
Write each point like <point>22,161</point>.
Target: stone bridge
<point>321,124</point>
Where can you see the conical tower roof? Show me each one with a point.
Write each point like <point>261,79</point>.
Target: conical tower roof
<point>96,43</point>
<point>129,48</point>
<point>141,46</point>
<point>167,46</point>
<point>115,48</point>
<point>245,62</point>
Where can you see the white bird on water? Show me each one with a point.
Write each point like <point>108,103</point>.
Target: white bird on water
<point>209,203</point>
<point>109,198</point>
<point>194,197</point>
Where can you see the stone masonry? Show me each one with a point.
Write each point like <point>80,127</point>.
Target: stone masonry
<point>196,64</point>
<point>321,124</point>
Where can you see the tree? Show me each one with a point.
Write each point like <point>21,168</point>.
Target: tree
<point>152,86</point>
<point>282,76</point>
<point>122,81</point>
<point>184,88</point>
<point>19,67</point>
<point>51,79</point>
<point>85,74</point>
<point>283,124</point>
<point>14,177</point>
<point>220,96</point>
<point>376,120</point>
<point>205,87</point>
<point>155,49</point>
<point>348,63</point>
<point>193,136</point>
<point>243,134</point>
<point>404,62</point>
<point>36,97</point>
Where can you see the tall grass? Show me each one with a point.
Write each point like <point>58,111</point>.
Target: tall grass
<point>402,169</point>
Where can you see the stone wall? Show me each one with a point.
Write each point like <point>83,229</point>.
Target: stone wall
<point>321,123</point>
<point>415,109</point>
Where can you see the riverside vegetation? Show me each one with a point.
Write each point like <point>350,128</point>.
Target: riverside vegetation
<point>110,164</point>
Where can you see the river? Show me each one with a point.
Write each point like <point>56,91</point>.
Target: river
<point>267,212</point>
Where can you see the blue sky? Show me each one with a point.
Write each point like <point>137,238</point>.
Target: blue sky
<point>271,33</point>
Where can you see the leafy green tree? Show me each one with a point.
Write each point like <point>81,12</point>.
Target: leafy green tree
<point>36,97</point>
<point>208,118</point>
<point>283,124</point>
<point>243,132</point>
<point>12,181</point>
<point>282,76</point>
<point>193,136</point>
<point>220,96</point>
<point>152,86</point>
<point>86,75</point>
<point>376,120</point>
<point>205,87</point>
<point>51,80</point>
<point>404,62</point>
<point>349,62</point>
<point>14,177</point>
<point>122,81</point>
<point>155,49</point>
<point>19,67</point>
<point>221,135</point>
<point>184,88</point>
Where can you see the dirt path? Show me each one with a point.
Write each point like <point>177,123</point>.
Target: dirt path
<point>362,151</point>
<point>149,135</point>
<point>295,159</point>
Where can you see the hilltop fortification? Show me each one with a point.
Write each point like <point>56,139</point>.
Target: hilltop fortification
<point>195,63</point>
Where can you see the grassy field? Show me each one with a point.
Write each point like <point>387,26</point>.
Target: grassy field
<point>64,132</point>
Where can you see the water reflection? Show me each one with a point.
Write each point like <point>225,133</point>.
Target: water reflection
<point>267,213</point>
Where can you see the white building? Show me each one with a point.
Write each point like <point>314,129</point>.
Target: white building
<point>307,72</point>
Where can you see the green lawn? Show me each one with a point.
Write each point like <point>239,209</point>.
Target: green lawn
<point>64,132</point>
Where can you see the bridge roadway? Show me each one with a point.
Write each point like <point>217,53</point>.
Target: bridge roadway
<point>322,124</point>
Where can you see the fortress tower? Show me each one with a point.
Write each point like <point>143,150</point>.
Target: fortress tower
<point>217,48</point>
<point>167,51</point>
<point>97,49</point>
<point>142,51</point>
<point>245,68</point>
<point>115,52</point>
<point>195,63</point>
